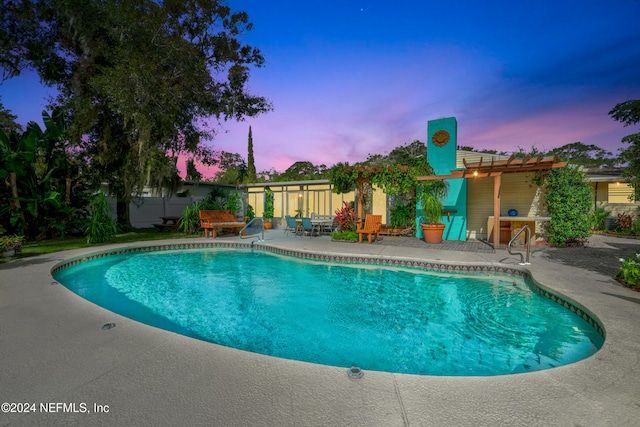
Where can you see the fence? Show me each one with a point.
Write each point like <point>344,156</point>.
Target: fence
<point>146,211</point>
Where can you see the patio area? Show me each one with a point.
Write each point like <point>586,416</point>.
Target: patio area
<point>55,351</point>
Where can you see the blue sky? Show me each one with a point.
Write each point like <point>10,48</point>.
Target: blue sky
<point>348,78</point>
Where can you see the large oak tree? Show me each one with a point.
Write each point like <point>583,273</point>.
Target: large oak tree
<point>142,80</point>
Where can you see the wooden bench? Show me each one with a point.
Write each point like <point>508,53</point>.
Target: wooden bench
<point>371,228</point>
<point>212,220</point>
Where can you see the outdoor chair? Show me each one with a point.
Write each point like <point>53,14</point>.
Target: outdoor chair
<point>309,227</point>
<point>370,228</point>
<point>292,225</point>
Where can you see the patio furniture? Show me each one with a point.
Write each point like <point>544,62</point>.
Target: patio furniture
<point>326,223</point>
<point>292,225</point>
<point>212,220</point>
<point>168,223</point>
<point>370,228</point>
<point>309,227</point>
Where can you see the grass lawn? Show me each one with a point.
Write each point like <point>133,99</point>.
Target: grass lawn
<point>67,243</point>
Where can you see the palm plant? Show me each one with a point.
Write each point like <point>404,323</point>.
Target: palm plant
<point>431,194</point>
<point>190,220</point>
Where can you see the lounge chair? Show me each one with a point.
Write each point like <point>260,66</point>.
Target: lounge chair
<point>370,228</point>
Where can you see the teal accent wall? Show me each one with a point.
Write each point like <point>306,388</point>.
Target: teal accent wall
<point>443,161</point>
<point>456,227</point>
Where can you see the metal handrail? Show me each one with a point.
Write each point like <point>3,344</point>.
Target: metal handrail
<point>528,238</point>
<point>259,225</point>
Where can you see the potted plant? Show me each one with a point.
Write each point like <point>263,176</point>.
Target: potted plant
<point>431,195</point>
<point>268,208</point>
<point>10,245</point>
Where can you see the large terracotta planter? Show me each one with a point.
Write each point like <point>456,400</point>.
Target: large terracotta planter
<point>268,225</point>
<point>432,232</point>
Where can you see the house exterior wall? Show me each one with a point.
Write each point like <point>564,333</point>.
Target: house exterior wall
<point>515,193</point>
<point>601,193</point>
<point>379,204</point>
<point>614,198</point>
<point>312,197</point>
<point>479,206</point>
<point>618,192</point>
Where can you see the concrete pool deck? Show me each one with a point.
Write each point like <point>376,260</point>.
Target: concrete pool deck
<point>55,354</point>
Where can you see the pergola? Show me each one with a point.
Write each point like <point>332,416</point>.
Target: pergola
<point>364,176</point>
<point>495,168</point>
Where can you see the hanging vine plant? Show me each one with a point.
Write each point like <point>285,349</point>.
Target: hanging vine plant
<point>343,177</point>
<point>397,180</point>
<point>394,180</point>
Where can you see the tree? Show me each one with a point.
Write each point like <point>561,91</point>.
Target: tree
<point>192,174</point>
<point>589,156</point>
<point>628,113</point>
<point>138,77</point>
<point>46,192</point>
<point>414,153</point>
<point>303,171</point>
<point>251,169</point>
<point>8,121</point>
<point>233,169</point>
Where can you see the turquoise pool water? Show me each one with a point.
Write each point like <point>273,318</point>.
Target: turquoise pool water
<point>374,317</point>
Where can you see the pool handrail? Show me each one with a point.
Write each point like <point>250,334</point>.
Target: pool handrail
<point>528,244</point>
<point>250,225</point>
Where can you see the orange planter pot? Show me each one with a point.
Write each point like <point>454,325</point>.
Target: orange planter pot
<point>433,232</point>
<point>268,225</point>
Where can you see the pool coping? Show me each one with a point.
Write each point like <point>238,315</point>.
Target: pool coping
<point>54,351</point>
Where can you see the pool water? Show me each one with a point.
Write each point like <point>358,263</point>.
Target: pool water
<point>374,317</point>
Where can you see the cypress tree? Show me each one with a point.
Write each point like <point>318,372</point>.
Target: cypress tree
<point>251,172</point>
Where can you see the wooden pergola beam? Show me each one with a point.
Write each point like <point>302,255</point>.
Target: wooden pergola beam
<point>497,183</point>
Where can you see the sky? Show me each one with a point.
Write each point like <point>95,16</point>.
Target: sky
<point>348,78</point>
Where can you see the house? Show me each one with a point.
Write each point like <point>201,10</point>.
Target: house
<point>479,191</point>
<point>473,200</point>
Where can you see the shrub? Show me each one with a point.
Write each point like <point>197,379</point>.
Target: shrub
<point>431,195</point>
<point>402,215</point>
<point>624,223</point>
<point>346,217</point>
<point>344,235</point>
<point>598,217</point>
<point>629,273</point>
<point>190,219</point>
<point>232,203</point>
<point>100,227</point>
<point>569,198</point>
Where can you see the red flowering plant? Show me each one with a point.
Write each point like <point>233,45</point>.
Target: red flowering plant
<point>346,217</point>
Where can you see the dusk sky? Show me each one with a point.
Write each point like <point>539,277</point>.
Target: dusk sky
<point>353,77</point>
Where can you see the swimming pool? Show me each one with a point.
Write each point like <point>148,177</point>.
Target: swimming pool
<point>377,317</point>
